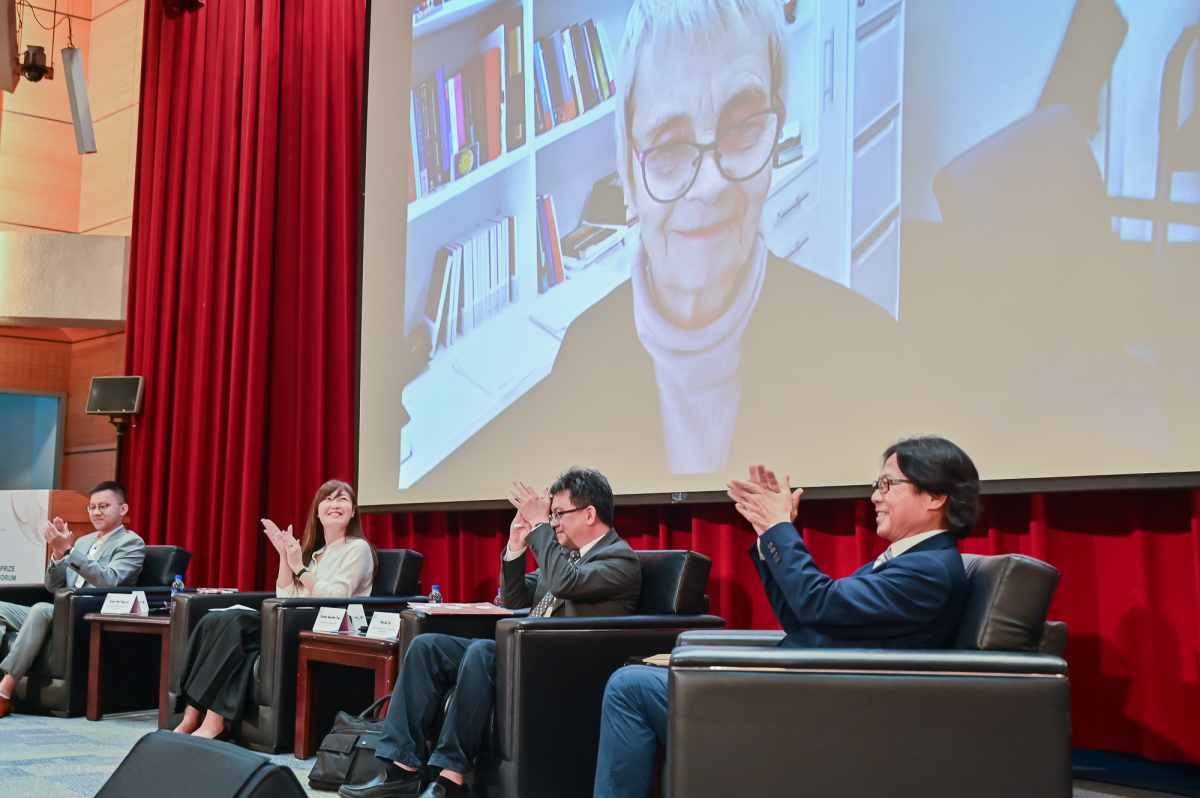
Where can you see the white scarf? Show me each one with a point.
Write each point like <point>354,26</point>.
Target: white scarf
<point>698,371</point>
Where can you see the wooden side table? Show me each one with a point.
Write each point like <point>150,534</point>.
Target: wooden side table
<point>154,625</point>
<point>382,656</point>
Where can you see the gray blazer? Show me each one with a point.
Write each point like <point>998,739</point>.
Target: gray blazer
<point>607,581</point>
<point>117,564</point>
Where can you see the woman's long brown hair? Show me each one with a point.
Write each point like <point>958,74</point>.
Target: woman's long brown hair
<point>314,530</point>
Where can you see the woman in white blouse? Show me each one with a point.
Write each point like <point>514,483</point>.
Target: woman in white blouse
<point>332,560</point>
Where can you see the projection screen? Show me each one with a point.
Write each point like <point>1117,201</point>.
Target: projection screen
<point>668,239</point>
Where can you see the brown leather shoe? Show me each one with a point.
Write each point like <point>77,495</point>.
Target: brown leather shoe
<point>5,706</point>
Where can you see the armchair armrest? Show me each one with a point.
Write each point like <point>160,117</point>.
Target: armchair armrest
<point>25,595</point>
<point>187,610</point>
<point>368,602</point>
<point>861,660</point>
<point>764,638</point>
<point>413,622</point>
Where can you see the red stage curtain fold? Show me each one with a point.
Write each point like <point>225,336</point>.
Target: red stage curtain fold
<point>242,318</point>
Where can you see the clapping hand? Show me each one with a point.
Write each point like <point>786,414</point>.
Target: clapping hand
<point>534,508</point>
<point>764,500</point>
<point>285,544</point>
<point>517,532</point>
<point>58,537</point>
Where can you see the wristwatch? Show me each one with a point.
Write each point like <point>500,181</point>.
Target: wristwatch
<point>301,572</point>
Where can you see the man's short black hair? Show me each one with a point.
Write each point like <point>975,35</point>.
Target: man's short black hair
<point>116,487</point>
<point>587,486</point>
<point>938,467</point>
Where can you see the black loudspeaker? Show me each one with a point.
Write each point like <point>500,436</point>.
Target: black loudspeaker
<point>182,766</point>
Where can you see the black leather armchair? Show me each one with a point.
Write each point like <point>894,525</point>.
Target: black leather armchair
<point>551,674</point>
<point>57,680</point>
<point>989,718</point>
<point>269,722</point>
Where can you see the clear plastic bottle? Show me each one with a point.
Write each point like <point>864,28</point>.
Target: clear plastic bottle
<point>497,600</point>
<point>176,588</point>
<point>435,596</point>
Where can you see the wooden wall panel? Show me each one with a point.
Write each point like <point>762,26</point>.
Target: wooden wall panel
<point>99,357</point>
<point>85,468</point>
<point>106,184</point>
<point>34,365</point>
<point>113,72</point>
<point>39,173</point>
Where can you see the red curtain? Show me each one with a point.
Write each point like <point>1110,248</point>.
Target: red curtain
<point>242,318</point>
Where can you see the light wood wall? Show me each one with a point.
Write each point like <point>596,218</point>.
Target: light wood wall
<point>64,360</point>
<point>44,183</point>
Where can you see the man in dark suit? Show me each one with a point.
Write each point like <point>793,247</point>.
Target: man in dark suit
<point>586,570</point>
<point>911,596</point>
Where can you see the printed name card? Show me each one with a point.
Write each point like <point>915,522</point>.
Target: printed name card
<point>358,617</point>
<point>122,604</point>
<point>384,626</point>
<point>332,620</point>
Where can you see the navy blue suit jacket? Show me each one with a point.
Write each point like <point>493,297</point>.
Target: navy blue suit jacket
<point>914,600</point>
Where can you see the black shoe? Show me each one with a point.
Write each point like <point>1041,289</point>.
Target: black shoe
<point>393,782</point>
<point>444,788</point>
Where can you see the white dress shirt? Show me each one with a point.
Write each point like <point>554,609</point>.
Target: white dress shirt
<point>343,568</point>
<point>901,546</point>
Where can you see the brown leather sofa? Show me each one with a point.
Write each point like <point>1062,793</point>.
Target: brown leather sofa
<point>989,718</point>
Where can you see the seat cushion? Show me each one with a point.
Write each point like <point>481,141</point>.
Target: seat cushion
<point>1007,602</point>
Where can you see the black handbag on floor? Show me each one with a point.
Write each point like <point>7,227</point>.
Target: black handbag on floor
<point>347,754</point>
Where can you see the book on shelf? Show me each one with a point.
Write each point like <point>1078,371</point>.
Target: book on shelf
<point>572,73</point>
<point>473,279</point>
<point>514,84</point>
<point>550,263</point>
<point>462,120</point>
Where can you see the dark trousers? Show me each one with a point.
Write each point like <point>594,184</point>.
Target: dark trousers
<point>632,726</point>
<point>433,666</point>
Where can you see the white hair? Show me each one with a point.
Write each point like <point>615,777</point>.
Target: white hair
<point>703,21</point>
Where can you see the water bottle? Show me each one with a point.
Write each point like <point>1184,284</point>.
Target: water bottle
<point>435,596</point>
<point>497,600</point>
<point>176,589</point>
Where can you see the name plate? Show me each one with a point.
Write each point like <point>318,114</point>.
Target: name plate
<point>358,618</point>
<point>332,620</point>
<point>123,604</point>
<point>384,626</point>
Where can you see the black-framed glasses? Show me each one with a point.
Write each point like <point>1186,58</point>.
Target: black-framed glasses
<point>670,170</point>
<point>884,484</point>
<point>91,508</point>
<point>556,515</point>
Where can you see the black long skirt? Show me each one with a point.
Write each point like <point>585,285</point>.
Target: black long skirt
<point>219,663</point>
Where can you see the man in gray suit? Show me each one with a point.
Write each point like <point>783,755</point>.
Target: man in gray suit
<point>586,570</point>
<point>111,556</point>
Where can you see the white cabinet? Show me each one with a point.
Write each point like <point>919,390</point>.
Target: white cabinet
<point>853,233</point>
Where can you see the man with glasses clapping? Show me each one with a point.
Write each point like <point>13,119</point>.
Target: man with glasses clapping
<point>586,570</point>
<point>912,596</point>
<point>112,556</point>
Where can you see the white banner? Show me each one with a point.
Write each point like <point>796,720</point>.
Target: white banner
<point>22,547</point>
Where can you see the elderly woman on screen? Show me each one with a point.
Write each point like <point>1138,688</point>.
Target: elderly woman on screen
<point>714,344</point>
<point>332,560</point>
